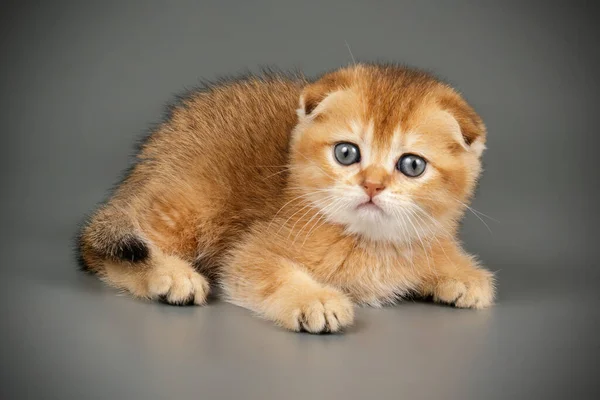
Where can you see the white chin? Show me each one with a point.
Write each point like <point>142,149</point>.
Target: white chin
<point>373,229</point>
<point>370,210</point>
<point>371,222</point>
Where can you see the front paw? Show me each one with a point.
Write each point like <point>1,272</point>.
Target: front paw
<point>474,289</point>
<point>317,311</point>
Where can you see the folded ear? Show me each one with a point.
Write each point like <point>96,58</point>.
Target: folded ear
<point>316,92</point>
<point>311,96</point>
<point>472,131</point>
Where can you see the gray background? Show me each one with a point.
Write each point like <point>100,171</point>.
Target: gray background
<point>80,81</point>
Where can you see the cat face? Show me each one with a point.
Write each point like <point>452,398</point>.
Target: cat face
<point>390,154</point>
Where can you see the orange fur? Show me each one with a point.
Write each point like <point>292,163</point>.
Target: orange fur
<point>240,185</point>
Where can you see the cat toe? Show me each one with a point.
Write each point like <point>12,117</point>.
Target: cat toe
<point>179,288</point>
<point>475,293</point>
<point>326,315</point>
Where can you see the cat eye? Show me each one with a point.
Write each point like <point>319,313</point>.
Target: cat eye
<point>346,153</point>
<point>411,165</point>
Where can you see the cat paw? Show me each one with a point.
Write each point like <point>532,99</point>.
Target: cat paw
<point>322,312</point>
<point>177,285</point>
<point>476,290</point>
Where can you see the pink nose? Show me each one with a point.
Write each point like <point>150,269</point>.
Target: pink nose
<point>373,188</point>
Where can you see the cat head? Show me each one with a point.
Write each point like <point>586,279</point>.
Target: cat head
<point>389,153</point>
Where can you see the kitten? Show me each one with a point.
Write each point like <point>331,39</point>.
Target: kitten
<point>301,198</point>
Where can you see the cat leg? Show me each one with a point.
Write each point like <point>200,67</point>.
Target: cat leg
<point>164,277</point>
<point>457,279</point>
<point>113,246</point>
<point>282,291</point>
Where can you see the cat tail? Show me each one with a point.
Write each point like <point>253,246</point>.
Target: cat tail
<point>110,235</point>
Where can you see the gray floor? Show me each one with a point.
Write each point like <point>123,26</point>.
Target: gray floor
<point>79,82</point>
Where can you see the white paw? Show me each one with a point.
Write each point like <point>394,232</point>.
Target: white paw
<point>177,284</point>
<point>318,312</point>
<point>476,291</point>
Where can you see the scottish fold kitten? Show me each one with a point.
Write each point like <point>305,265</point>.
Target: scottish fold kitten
<point>300,198</point>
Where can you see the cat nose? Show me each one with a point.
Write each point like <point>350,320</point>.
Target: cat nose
<point>373,188</point>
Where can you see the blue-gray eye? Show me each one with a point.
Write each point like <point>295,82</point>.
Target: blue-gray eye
<point>411,165</point>
<point>346,153</point>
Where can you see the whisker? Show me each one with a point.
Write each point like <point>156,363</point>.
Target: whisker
<point>307,189</point>
<point>471,209</point>
<point>402,218</point>
<point>433,233</point>
<point>436,222</point>
<point>270,166</point>
<point>463,203</point>
<point>350,51</point>
<point>396,214</point>
<point>307,205</point>
<point>283,206</point>
<point>322,211</point>
<point>311,219</point>
<point>323,219</point>
<point>303,215</point>
<point>420,239</point>
<point>276,173</point>
<point>481,219</point>
<point>316,166</point>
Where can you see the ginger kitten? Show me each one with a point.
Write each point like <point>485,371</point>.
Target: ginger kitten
<point>301,198</point>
